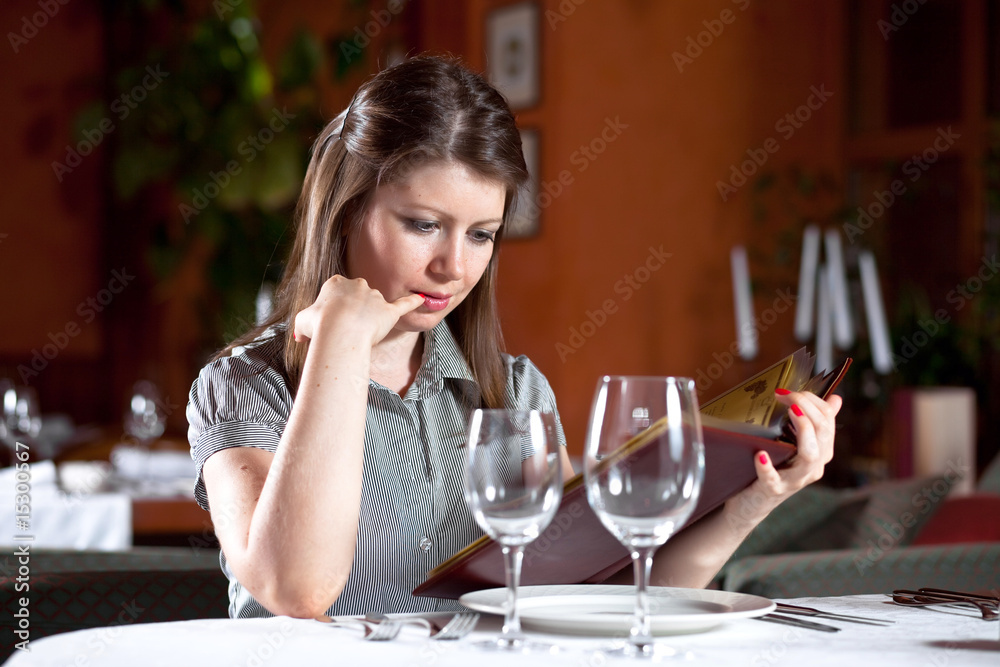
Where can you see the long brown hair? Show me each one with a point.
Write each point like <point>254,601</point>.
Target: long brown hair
<point>422,110</point>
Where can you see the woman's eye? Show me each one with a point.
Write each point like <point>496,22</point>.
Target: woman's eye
<point>482,236</point>
<point>423,225</point>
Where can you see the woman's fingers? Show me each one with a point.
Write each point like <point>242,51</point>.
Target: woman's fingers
<point>814,422</point>
<point>408,303</point>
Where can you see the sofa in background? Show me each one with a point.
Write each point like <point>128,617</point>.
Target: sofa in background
<point>73,590</point>
<point>896,534</point>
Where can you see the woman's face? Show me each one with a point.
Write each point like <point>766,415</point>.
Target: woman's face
<point>429,233</point>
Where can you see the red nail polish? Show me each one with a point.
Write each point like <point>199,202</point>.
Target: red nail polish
<point>763,459</point>
<point>782,392</point>
<point>797,410</point>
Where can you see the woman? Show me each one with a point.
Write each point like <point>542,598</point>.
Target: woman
<point>328,441</point>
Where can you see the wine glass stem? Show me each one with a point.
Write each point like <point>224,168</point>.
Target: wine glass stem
<point>642,560</point>
<point>512,621</point>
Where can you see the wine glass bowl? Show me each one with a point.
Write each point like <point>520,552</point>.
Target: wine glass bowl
<point>643,468</point>
<point>144,419</point>
<point>513,486</point>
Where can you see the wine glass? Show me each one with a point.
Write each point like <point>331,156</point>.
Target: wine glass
<point>22,418</point>
<point>643,466</point>
<point>513,485</point>
<point>8,406</point>
<point>144,419</point>
<point>27,414</point>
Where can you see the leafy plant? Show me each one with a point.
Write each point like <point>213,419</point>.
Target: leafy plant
<point>210,152</point>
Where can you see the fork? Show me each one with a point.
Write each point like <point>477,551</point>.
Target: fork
<point>440,625</point>
<point>925,598</point>
<point>374,631</point>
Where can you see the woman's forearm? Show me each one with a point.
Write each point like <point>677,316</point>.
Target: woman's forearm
<point>692,558</point>
<point>301,538</point>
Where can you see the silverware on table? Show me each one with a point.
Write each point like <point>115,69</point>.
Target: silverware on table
<point>989,607</point>
<point>796,622</point>
<point>374,631</point>
<point>809,611</point>
<point>439,625</point>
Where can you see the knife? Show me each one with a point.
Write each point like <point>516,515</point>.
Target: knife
<point>797,622</point>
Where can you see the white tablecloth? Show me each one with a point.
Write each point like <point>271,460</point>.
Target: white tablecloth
<point>58,520</point>
<point>931,637</point>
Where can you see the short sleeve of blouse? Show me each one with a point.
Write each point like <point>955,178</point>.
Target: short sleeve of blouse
<point>528,389</point>
<point>237,401</point>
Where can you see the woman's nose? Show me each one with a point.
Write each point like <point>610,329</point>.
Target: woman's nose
<point>449,260</point>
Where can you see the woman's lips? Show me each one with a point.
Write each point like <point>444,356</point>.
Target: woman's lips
<point>435,301</point>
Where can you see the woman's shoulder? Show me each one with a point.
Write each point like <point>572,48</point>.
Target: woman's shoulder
<point>525,380</point>
<point>261,360</point>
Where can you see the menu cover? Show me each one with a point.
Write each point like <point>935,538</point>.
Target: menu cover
<point>576,547</point>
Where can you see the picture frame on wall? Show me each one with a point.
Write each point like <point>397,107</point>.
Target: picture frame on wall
<point>513,52</point>
<point>525,221</point>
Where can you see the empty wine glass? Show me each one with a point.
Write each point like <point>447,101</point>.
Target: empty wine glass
<point>643,466</point>
<point>7,387</point>
<point>22,418</point>
<point>513,485</point>
<point>144,420</point>
<point>27,414</point>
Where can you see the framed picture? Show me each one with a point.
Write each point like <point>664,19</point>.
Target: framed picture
<point>512,49</point>
<point>524,223</point>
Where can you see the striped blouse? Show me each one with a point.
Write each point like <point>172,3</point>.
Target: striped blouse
<point>413,513</point>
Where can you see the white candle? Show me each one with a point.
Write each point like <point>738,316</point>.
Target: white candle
<point>265,302</point>
<point>807,283</point>
<point>824,325</point>
<point>878,328</point>
<point>746,332</point>
<point>840,309</point>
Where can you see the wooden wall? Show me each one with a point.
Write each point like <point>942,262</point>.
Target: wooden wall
<point>666,135</point>
<point>680,131</point>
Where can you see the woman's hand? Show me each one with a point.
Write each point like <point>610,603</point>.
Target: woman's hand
<point>351,305</point>
<point>813,421</point>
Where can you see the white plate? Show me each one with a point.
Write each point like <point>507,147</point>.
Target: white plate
<point>608,610</point>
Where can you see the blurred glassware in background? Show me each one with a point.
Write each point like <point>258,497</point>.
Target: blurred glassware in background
<point>144,419</point>
<point>6,386</point>
<point>138,467</point>
<point>27,413</point>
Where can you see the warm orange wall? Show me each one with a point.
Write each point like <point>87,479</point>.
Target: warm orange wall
<point>50,244</point>
<point>655,185</point>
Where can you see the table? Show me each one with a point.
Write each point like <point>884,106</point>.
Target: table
<point>178,515</point>
<point>921,636</point>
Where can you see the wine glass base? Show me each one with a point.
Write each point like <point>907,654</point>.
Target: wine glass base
<point>516,645</point>
<point>652,651</point>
